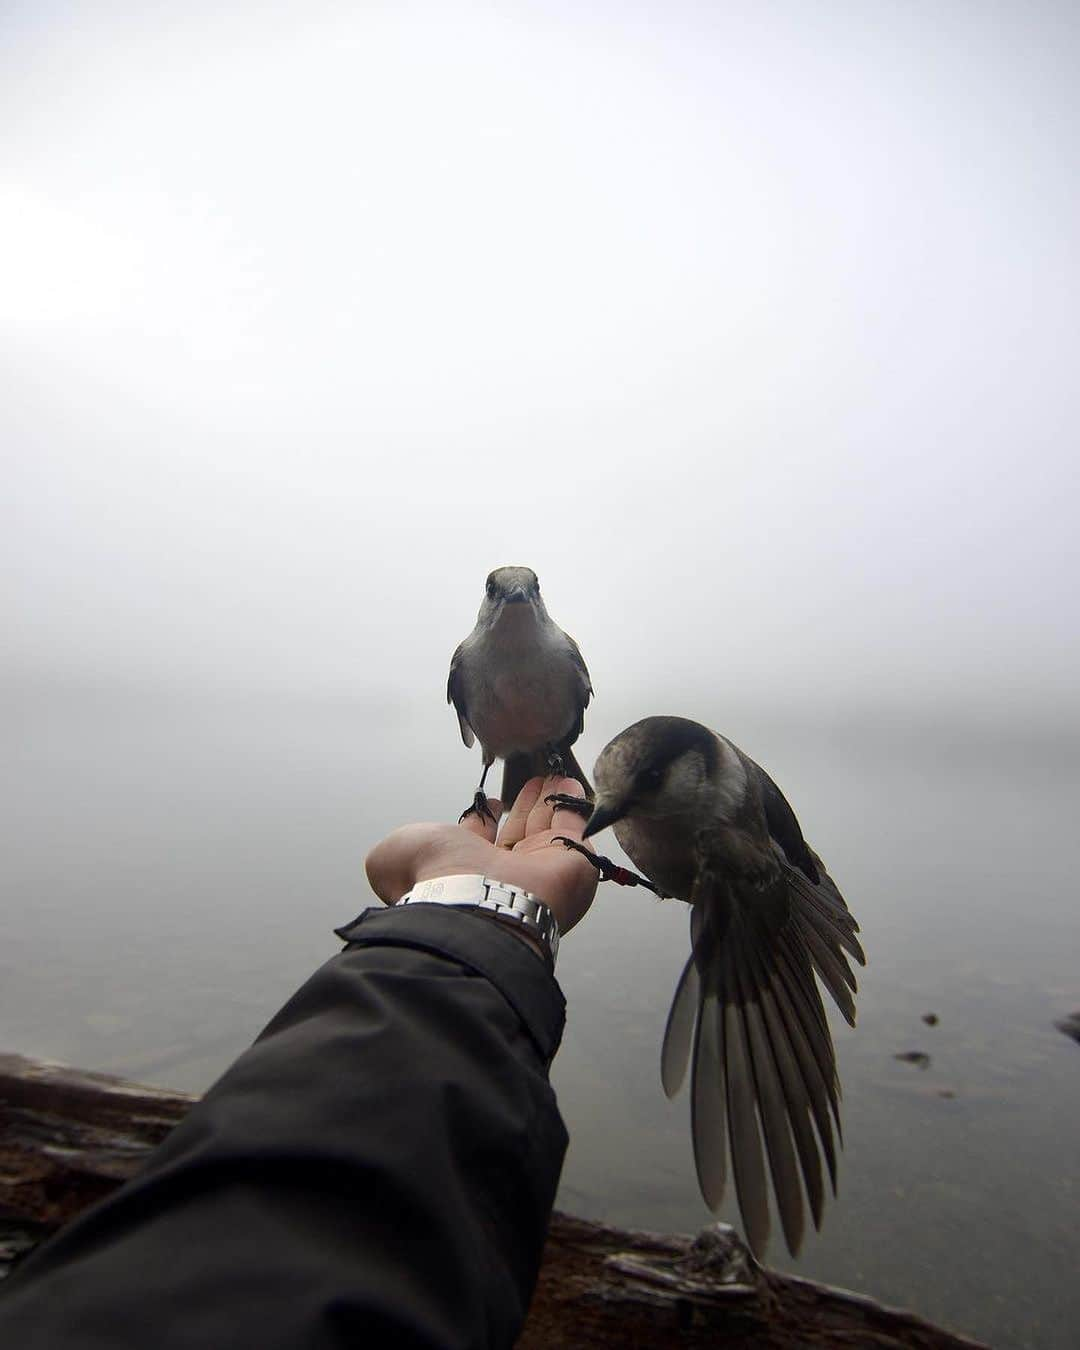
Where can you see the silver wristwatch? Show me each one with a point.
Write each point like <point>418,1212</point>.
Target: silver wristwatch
<point>473,891</point>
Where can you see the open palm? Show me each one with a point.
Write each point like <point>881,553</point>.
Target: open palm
<point>524,852</point>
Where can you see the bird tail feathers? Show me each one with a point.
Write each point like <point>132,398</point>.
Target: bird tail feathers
<point>519,768</point>
<point>763,1076</point>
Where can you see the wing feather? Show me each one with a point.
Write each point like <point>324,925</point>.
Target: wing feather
<point>834,971</point>
<point>585,688</point>
<point>805,1002</point>
<point>828,905</point>
<point>773,1107</point>
<point>747,1160</point>
<point>836,939</point>
<point>797,1093</point>
<point>680,1027</point>
<point>809,1055</point>
<point>707,1102</point>
<point>455,694</point>
<point>782,822</point>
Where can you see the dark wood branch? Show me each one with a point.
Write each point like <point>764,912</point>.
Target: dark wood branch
<point>68,1138</point>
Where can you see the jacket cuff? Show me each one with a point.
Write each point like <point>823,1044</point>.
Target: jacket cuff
<point>480,946</point>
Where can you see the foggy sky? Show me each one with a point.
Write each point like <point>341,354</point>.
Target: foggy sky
<point>753,328</point>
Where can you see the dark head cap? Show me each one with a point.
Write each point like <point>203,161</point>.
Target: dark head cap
<point>631,768</point>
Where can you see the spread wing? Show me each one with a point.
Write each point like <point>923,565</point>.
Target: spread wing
<point>585,688</point>
<point>455,694</point>
<point>748,1016</point>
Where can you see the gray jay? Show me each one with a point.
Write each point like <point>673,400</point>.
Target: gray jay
<point>708,825</point>
<point>520,687</point>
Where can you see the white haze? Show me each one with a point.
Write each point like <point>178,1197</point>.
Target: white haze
<point>752,328</point>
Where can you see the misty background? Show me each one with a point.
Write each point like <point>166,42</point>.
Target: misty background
<point>751,328</point>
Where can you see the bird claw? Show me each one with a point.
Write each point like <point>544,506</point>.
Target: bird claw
<point>479,808</point>
<point>563,799</point>
<point>609,871</point>
<point>556,766</point>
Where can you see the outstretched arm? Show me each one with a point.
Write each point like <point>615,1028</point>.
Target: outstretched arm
<point>379,1168</point>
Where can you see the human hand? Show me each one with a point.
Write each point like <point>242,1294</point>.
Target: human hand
<point>524,853</point>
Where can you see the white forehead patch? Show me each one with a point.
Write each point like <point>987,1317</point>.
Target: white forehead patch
<point>730,778</point>
<point>682,784</point>
<point>615,765</point>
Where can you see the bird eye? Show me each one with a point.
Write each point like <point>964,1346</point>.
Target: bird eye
<point>491,589</point>
<point>651,779</point>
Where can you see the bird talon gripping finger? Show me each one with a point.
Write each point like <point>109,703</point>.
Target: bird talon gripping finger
<point>609,871</point>
<point>479,808</point>
<point>563,799</point>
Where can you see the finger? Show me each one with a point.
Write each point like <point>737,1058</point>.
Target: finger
<point>564,819</point>
<point>486,826</point>
<point>542,811</point>
<point>513,830</point>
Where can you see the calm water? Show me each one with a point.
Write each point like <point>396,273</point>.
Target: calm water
<point>173,868</point>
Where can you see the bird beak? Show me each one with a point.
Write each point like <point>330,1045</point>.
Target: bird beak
<point>604,814</point>
<point>518,596</point>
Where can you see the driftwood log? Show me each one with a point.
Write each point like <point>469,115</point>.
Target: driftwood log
<point>68,1138</point>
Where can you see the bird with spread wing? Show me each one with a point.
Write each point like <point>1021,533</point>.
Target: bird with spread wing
<point>709,826</point>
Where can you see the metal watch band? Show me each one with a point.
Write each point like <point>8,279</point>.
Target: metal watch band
<point>474,891</point>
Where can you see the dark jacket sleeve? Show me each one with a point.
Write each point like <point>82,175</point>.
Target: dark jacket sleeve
<point>378,1169</point>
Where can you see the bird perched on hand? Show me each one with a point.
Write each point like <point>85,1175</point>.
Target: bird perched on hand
<point>520,687</point>
<point>708,825</point>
